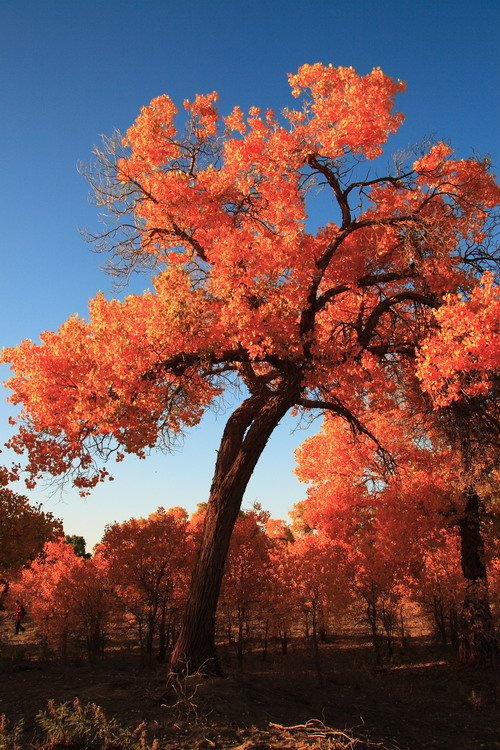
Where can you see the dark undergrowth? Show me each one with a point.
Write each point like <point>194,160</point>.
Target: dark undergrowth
<point>420,699</point>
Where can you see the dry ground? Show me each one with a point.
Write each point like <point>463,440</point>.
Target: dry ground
<point>422,700</point>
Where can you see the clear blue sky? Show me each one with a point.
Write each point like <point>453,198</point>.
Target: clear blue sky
<point>74,69</point>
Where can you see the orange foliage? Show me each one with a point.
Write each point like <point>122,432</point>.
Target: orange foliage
<point>66,597</point>
<point>463,355</point>
<point>243,285</point>
<point>24,529</point>
<point>400,527</point>
<point>149,561</point>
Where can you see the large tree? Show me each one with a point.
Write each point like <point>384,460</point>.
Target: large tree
<point>249,295</point>
<point>459,368</point>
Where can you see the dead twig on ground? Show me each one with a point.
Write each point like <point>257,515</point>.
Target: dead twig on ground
<point>317,730</point>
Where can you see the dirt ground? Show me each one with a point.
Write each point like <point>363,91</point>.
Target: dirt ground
<point>423,699</point>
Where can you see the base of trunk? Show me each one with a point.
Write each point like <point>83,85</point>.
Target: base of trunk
<point>477,639</point>
<point>189,658</point>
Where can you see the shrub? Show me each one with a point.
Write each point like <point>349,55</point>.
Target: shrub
<point>73,726</point>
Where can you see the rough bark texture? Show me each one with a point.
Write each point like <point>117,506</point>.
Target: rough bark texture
<point>245,437</point>
<point>477,639</point>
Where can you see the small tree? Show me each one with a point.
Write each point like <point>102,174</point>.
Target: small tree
<point>244,581</point>
<point>440,586</point>
<point>67,597</point>
<point>24,529</point>
<point>149,561</point>
<point>318,582</point>
<point>79,545</point>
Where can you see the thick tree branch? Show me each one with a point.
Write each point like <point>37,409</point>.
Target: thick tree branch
<point>332,180</point>
<point>366,334</point>
<point>363,283</point>
<point>308,314</point>
<point>396,181</point>
<point>355,423</point>
<point>197,247</point>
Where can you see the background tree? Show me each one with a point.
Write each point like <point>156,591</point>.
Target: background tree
<point>24,529</point>
<point>79,545</point>
<point>400,520</point>
<point>318,583</point>
<point>247,293</point>
<point>459,369</point>
<point>149,561</point>
<point>67,597</point>
<point>244,584</point>
<point>440,587</point>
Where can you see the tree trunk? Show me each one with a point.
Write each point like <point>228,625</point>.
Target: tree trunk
<point>388,618</point>
<point>229,629</point>
<point>239,646</point>
<point>95,643</point>
<point>141,636</point>
<point>371,599</point>
<point>453,624</point>
<point>265,640</point>
<point>162,631</point>
<point>477,640</point>
<point>317,659</point>
<point>402,629</point>
<point>284,642</point>
<point>439,619</point>
<point>245,436</point>
<point>149,640</point>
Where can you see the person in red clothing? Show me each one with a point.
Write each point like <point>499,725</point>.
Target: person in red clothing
<point>20,615</point>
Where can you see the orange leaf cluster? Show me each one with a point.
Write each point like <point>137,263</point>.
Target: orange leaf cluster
<point>462,356</point>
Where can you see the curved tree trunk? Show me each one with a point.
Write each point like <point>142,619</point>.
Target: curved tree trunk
<point>477,640</point>
<point>245,436</point>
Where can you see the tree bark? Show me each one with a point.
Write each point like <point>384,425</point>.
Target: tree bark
<point>245,436</point>
<point>477,639</point>
<point>371,599</point>
<point>439,619</point>
<point>317,659</point>
<point>239,645</point>
<point>284,642</point>
<point>265,640</point>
